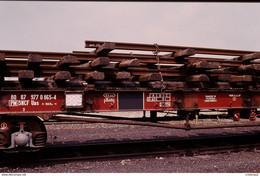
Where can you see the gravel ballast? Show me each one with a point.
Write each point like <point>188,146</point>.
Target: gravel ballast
<point>75,133</point>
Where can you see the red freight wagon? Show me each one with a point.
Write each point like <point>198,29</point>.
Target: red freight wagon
<point>36,86</point>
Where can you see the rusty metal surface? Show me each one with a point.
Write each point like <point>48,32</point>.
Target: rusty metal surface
<point>154,124</point>
<point>165,48</point>
<point>17,60</point>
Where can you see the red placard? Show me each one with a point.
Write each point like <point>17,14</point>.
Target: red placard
<point>256,98</point>
<point>219,100</point>
<point>107,101</point>
<point>158,101</point>
<point>31,102</point>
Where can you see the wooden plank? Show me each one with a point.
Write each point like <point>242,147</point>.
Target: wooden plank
<point>222,85</point>
<point>34,60</point>
<point>102,84</point>
<point>95,75</point>
<point>197,64</point>
<point>256,79</point>
<point>2,57</point>
<point>224,77</point>
<point>213,65</point>
<point>2,79</point>
<point>220,61</point>
<point>85,65</point>
<point>2,60</point>
<point>197,78</point>
<point>62,76</point>
<point>123,75</point>
<point>75,83</point>
<point>129,63</point>
<point>203,64</point>
<point>184,53</point>
<point>105,48</point>
<point>68,60</point>
<point>150,77</point>
<point>155,85</point>
<point>169,85</point>
<point>25,74</point>
<point>100,62</point>
<point>175,85</point>
<point>111,66</point>
<point>242,78</point>
<point>199,85</point>
<point>222,71</point>
<point>90,87</point>
<point>250,57</point>
<point>128,84</point>
<point>249,68</point>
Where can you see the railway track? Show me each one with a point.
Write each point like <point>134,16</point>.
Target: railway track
<point>137,149</point>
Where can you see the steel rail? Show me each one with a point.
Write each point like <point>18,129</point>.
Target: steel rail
<point>221,62</point>
<point>167,48</point>
<point>115,57</point>
<point>82,54</point>
<point>164,125</point>
<point>46,70</point>
<point>119,58</point>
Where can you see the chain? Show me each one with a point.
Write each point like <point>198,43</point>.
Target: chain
<point>159,69</point>
<point>157,56</point>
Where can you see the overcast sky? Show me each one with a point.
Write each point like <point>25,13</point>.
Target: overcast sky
<point>64,26</point>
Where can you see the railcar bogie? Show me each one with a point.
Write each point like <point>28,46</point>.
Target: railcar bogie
<point>22,131</point>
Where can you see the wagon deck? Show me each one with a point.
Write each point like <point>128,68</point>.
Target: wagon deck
<point>116,76</point>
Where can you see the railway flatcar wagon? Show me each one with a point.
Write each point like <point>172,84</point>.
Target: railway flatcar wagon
<point>112,76</point>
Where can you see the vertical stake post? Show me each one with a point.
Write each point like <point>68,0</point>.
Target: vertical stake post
<point>187,123</point>
<point>153,116</point>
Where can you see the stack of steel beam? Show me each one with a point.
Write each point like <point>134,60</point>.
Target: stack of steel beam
<point>110,65</point>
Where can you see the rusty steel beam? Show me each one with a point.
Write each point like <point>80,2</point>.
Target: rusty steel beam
<point>167,48</point>
<point>84,56</point>
<point>120,66</point>
<point>156,124</point>
<point>14,68</point>
<point>115,57</point>
<point>151,60</point>
<point>45,72</point>
<point>124,122</point>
